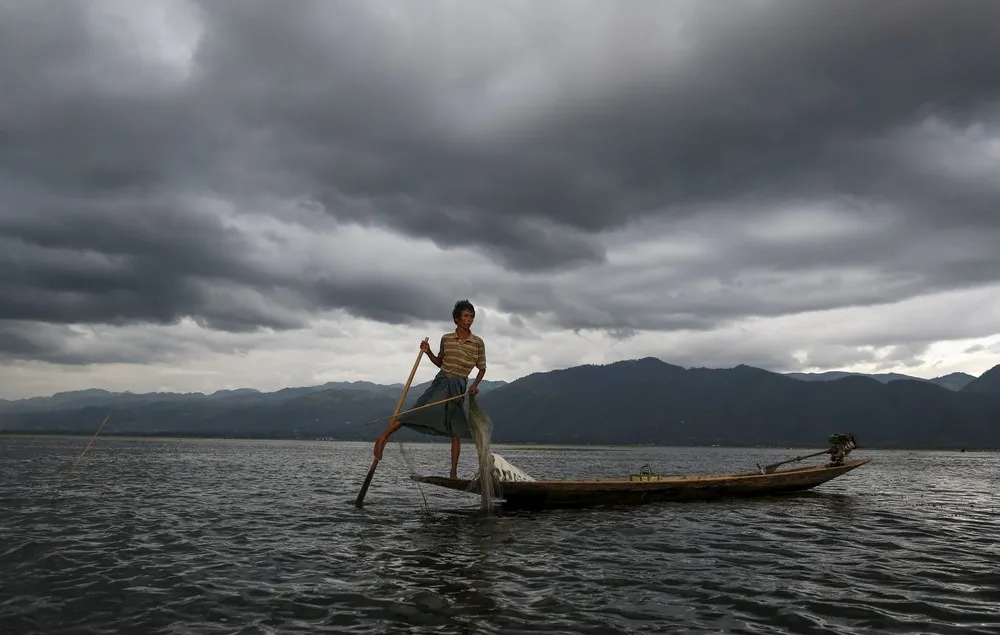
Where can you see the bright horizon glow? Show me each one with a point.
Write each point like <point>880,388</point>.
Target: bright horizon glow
<point>943,358</point>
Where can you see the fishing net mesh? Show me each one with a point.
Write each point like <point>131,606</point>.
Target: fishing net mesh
<point>482,434</point>
<point>483,482</point>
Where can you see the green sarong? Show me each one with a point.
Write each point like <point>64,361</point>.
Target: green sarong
<point>445,420</point>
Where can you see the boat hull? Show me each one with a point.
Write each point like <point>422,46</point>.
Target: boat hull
<point>625,491</point>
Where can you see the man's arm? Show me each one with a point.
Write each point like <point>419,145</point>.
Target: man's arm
<point>438,359</point>
<point>481,365</point>
<point>479,377</point>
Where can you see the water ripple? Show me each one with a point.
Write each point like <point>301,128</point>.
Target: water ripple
<point>187,536</point>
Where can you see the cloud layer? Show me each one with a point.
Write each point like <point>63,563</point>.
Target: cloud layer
<point>184,182</point>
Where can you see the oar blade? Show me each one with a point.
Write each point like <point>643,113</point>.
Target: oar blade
<point>360,501</point>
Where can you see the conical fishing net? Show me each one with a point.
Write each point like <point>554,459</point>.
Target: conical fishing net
<point>482,432</point>
<point>484,482</point>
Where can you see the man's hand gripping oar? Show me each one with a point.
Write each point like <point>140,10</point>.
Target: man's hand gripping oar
<point>380,443</point>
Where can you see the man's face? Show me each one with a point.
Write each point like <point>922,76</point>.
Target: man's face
<point>466,318</point>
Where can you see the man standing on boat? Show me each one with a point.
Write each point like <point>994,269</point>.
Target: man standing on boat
<point>460,351</point>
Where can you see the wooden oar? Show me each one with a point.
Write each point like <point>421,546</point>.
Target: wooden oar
<point>399,406</point>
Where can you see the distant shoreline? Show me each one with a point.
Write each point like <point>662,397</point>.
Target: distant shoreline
<point>520,444</point>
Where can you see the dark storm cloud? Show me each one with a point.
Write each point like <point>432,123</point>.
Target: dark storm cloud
<point>57,344</point>
<point>389,301</point>
<point>118,260</point>
<point>787,100</point>
<point>508,134</point>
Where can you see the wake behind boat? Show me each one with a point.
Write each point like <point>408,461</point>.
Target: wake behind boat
<point>517,490</point>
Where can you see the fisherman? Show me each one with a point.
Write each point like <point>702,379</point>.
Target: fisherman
<point>460,351</point>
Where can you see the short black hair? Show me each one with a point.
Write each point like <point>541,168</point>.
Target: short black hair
<point>462,305</point>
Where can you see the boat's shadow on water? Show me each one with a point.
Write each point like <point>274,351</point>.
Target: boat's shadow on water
<point>463,562</point>
<point>445,574</point>
<point>471,517</point>
<point>834,503</point>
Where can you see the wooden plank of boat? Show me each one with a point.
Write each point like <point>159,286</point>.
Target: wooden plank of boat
<point>639,489</point>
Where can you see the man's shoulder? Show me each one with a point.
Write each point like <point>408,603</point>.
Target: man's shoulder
<point>453,336</point>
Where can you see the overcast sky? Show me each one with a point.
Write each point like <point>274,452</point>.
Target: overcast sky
<point>219,194</point>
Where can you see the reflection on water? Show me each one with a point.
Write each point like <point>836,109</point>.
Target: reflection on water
<point>205,536</point>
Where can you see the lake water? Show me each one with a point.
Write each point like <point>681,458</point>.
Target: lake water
<point>220,536</point>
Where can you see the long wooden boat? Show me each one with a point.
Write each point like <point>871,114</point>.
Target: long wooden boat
<point>648,488</point>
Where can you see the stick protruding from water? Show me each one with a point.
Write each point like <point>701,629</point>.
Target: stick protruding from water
<point>79,458</point>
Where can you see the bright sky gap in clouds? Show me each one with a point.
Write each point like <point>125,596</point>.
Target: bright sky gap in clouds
<point>197,195</point>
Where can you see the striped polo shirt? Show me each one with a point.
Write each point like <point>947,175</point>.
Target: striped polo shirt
<point>461,357</point>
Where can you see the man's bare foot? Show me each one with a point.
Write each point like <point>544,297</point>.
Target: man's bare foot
<point>453,474</point>
<point>379,446</point>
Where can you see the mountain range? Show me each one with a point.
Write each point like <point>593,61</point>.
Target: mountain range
<point>953,381</point>
<point>643,401</point>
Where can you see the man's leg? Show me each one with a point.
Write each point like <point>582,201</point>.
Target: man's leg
<point>396,425</point>
<point>382,440</point>
<point>456,449</point>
